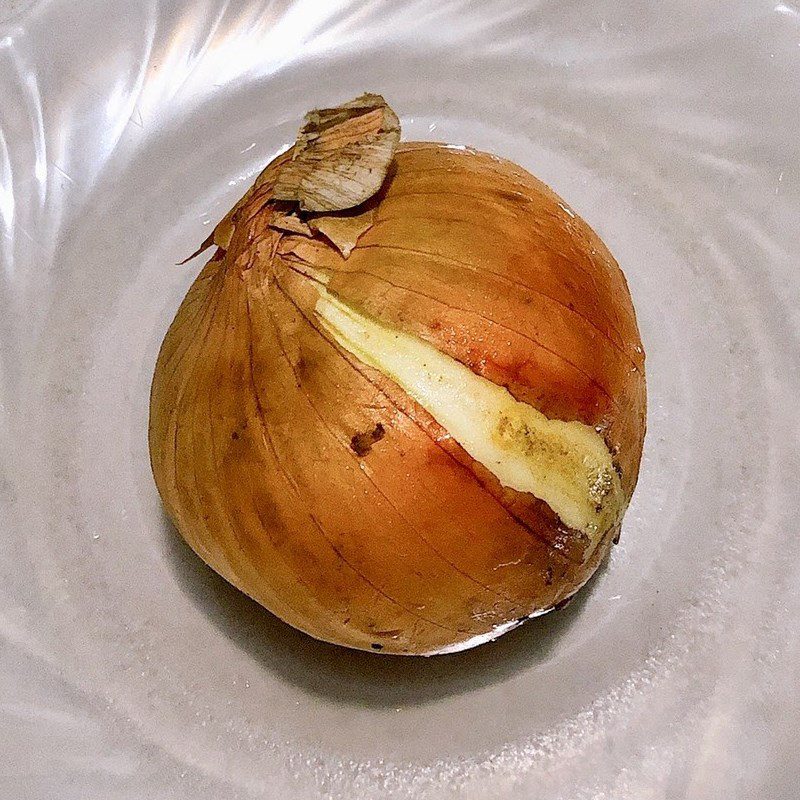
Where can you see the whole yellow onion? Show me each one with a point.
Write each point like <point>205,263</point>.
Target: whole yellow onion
<point>403,405</point>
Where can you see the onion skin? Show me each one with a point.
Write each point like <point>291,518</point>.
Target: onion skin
<point>317,486</point>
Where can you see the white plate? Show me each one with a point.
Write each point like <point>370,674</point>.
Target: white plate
<point>129,670</point>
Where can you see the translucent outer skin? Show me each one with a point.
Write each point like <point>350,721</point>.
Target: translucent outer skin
<point>411,547</point>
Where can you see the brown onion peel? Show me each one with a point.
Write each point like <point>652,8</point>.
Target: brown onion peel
<point>341,156</point>
<point>313,470</point>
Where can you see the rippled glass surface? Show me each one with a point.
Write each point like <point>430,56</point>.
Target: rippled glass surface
<point>129,670</point>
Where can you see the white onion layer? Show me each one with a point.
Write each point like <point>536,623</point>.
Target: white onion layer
<point>565,464</point>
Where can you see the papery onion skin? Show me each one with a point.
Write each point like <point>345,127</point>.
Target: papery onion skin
<point>405,545</point>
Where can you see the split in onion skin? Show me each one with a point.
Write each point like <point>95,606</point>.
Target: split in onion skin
<point>318,486</point>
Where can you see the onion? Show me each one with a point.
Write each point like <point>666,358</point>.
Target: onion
<point>403,405</point>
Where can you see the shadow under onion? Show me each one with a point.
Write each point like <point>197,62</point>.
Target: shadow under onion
<point>355,677</point>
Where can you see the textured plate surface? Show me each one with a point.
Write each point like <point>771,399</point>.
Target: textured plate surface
<point>129,670</point>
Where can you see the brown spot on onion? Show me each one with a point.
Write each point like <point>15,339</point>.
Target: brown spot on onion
<point>362,442</point>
